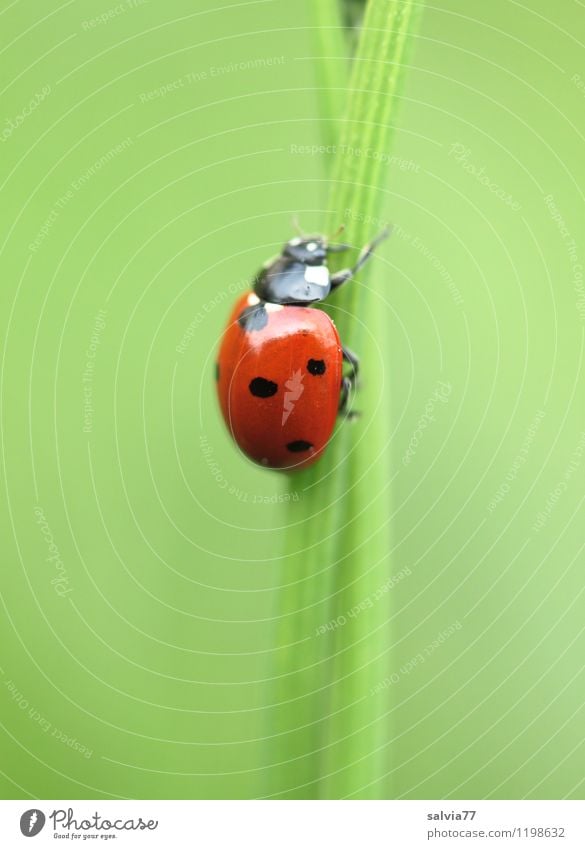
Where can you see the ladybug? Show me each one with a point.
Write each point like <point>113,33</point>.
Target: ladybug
<point>279,373</point>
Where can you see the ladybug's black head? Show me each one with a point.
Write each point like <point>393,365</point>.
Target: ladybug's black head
<point>310,250</point>
<point>299,275</point>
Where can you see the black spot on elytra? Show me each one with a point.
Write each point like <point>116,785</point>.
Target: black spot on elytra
<point>253,318</point>
<point>299,445</point>
<point>316,367</point>
<point>262,388</point>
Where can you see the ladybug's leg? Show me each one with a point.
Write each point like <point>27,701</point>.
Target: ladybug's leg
<point>337,249</point>
<point>348,382</point>
<point>346,386</point>
<point>365,253</point>
<point>353,362</point>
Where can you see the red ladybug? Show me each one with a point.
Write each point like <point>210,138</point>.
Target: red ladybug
<point>280,375</point>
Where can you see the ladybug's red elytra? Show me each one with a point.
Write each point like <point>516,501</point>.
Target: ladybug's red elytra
<point>279,372</point>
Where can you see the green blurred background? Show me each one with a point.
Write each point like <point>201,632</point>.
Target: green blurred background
<point>141,555</point>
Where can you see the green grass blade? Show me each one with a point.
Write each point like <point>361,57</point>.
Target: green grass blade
<point>334,729</point>
<point>331,67</point>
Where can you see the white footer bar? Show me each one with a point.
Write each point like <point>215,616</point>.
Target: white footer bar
<point>293,824</point>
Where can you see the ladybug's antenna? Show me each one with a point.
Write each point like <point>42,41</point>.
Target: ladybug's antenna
<point>296,225</point>
<point>336,248</point>
<point>338,232</point>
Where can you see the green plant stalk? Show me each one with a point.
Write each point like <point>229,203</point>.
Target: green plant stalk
<point>331,73</point>
<point>336,727</point>
<point>357,762</point>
